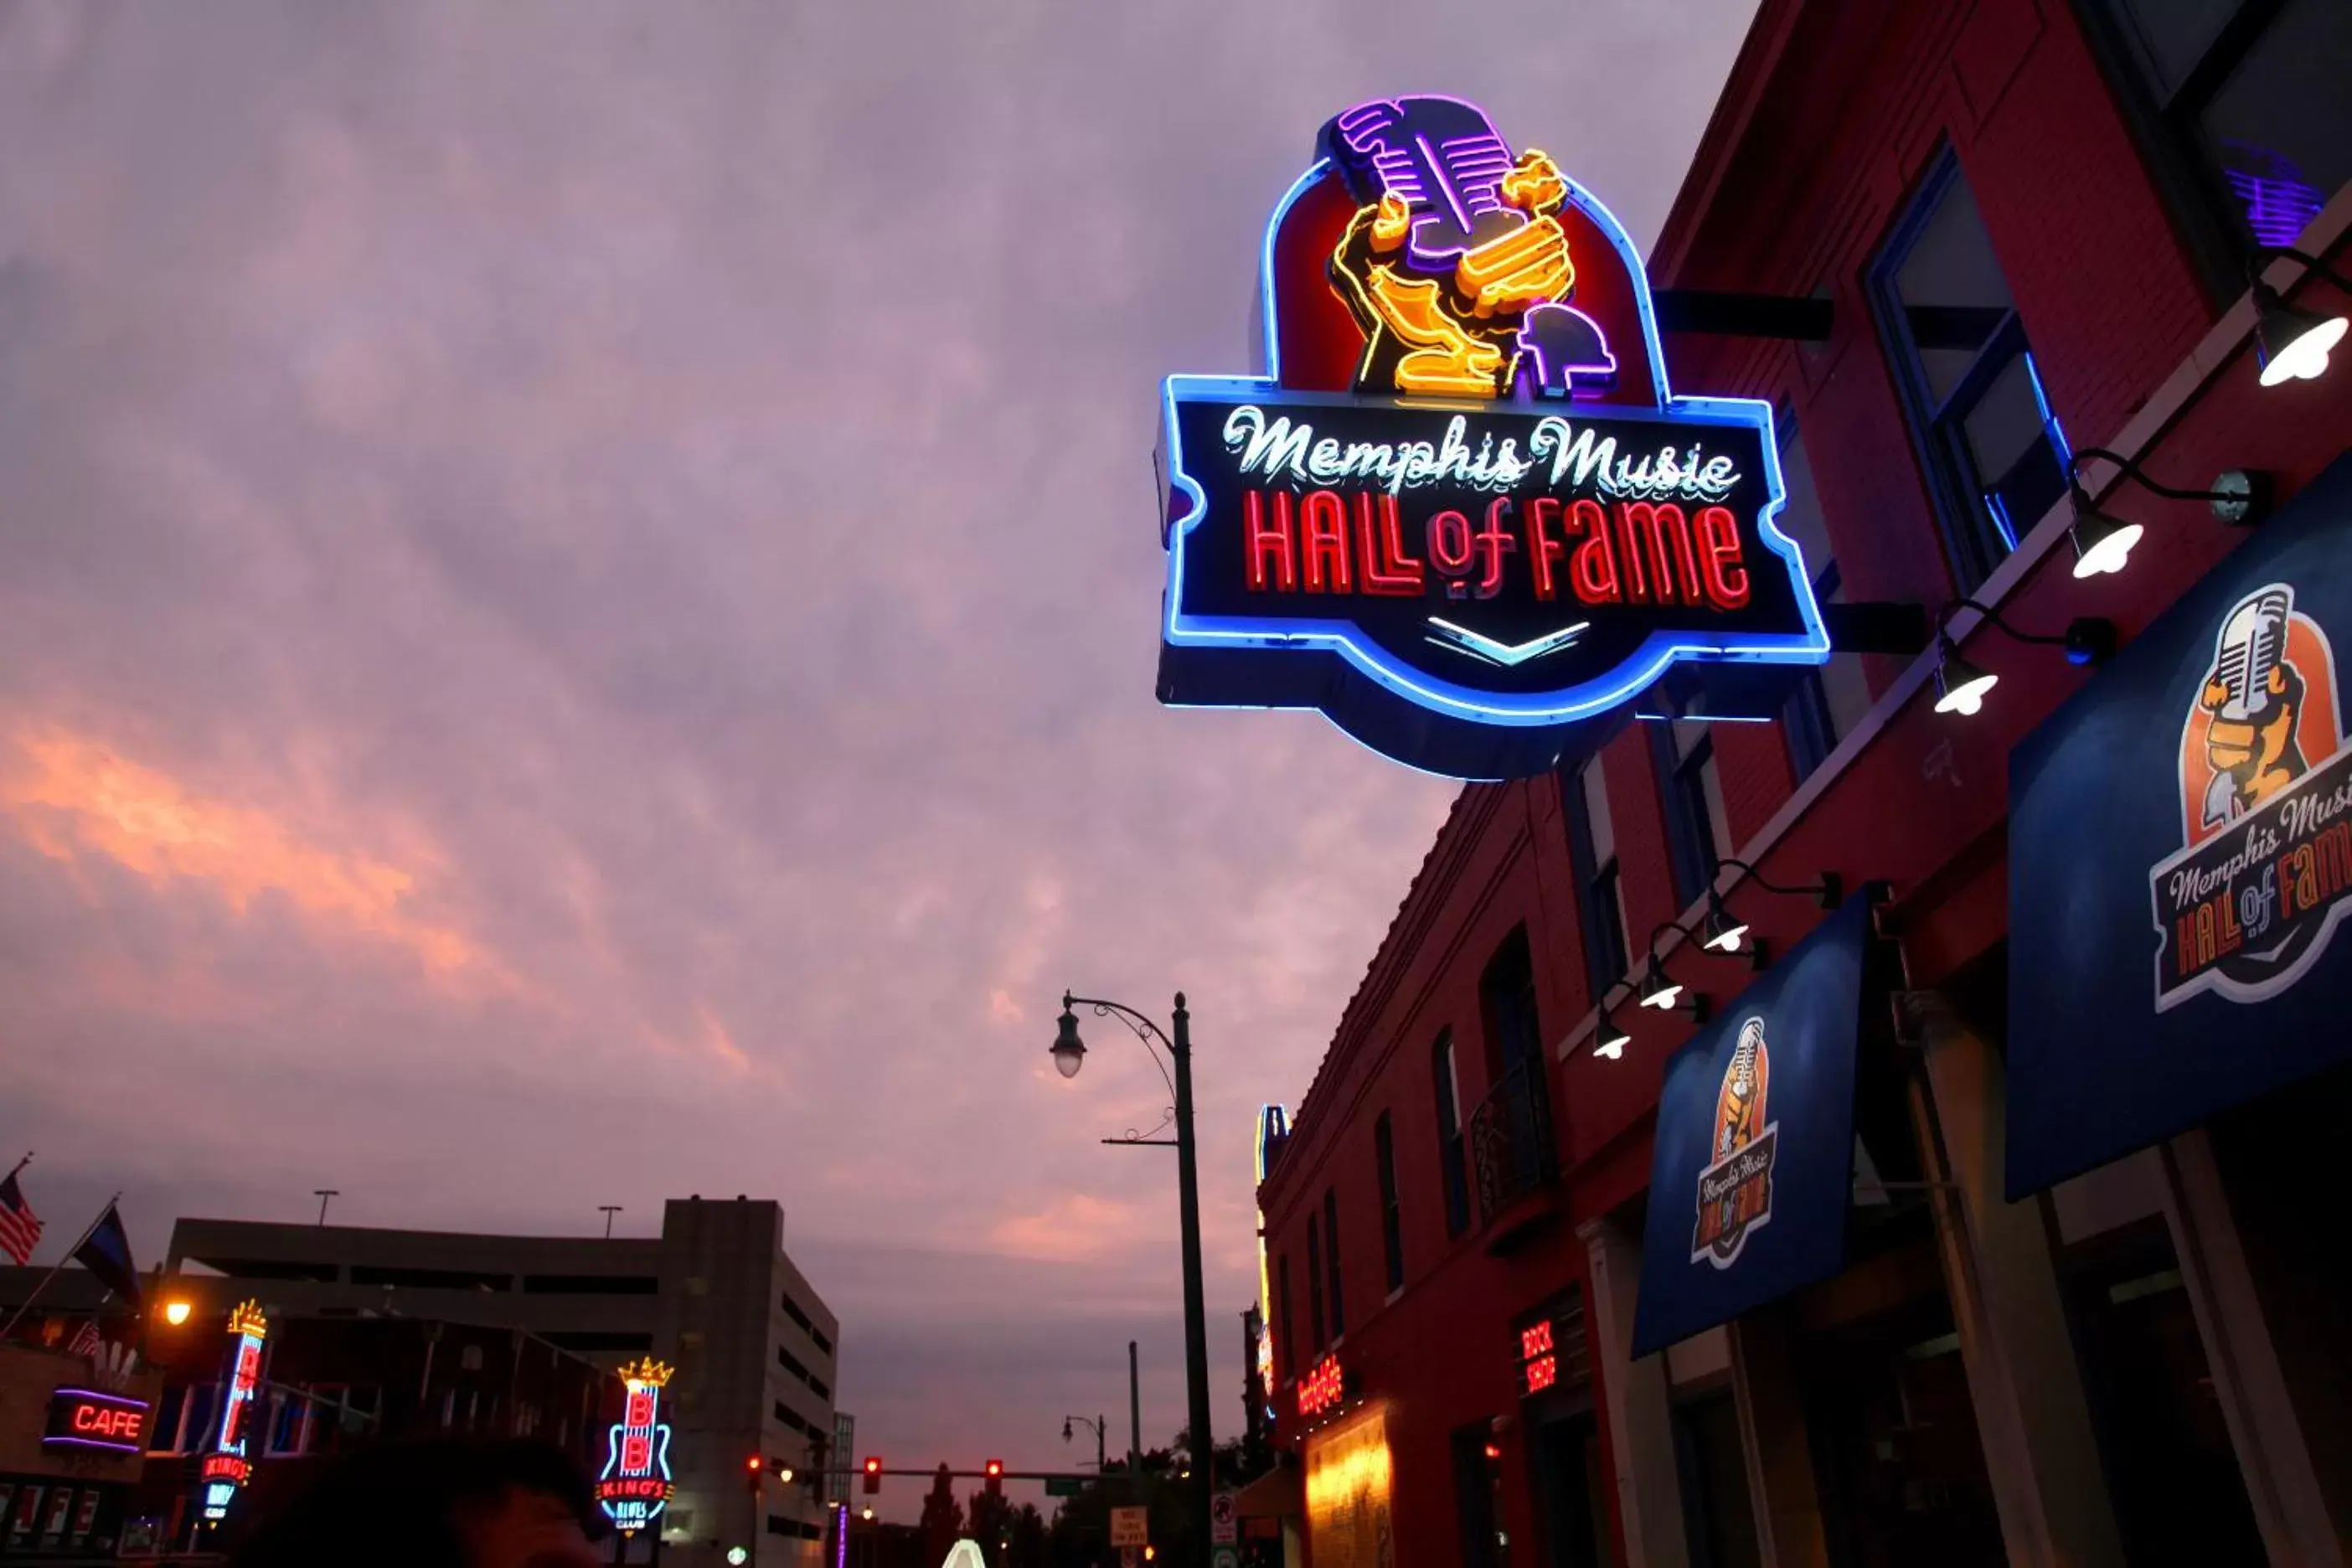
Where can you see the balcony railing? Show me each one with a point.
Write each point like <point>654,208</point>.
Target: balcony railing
<point>1510,1140</point>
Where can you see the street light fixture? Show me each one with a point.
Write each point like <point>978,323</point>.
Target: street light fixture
<point>176,1312</point>
<point>1069,1054</point>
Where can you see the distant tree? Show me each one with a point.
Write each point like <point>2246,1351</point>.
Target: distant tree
<point>992,1527</point>
<point>942,1521</point>
<point>1029,1541</point>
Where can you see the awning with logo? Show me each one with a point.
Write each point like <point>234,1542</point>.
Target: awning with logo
<point>1752,1169</point>
<point>2181,856</point>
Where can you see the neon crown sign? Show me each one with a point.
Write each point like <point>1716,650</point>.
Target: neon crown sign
<point>1461,513</point>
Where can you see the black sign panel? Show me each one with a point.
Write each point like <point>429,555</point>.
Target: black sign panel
<point>1484,577</point>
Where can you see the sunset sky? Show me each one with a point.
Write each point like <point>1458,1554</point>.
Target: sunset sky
<point>578,599</point>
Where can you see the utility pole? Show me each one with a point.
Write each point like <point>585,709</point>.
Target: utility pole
<point>1134,1422</point>
<point>608,1211</point>
<point>323,1195</point>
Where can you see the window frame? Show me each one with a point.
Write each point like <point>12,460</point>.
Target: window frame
<point>1693,855</point>
<point>1969,519</point>
<point>1392,1208</point>
<point>1314,1319</point>
<point>1331,1263</point>
<point>1453,1142</point>
<point>1595,919</point>
<point>2195,191</point>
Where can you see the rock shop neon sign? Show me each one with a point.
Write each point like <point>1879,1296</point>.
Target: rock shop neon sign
<point>1462,514</point>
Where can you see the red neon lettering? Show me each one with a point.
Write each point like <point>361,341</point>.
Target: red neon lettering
<point>1263,541</point>
<point>1386,569</point>
<point>1719,569</point>
<point>105,1422</point>
<point>1535,1341</point>
<point>1542,1372</point>
<point>1321,1388</point>
<point>636,1452</point>
<point>641,1408</point>
<point>1593,568</point>
<point>1493,541</point>
<point>1542,548</point>
<point>1664,526</point>
<point>1323,539</point>
<point>1450,549</point>
<point>1637,585</point>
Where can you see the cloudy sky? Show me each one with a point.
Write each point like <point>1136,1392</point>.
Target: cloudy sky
<point>578,587</point>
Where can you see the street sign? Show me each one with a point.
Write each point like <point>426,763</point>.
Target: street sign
<point>1131,1527</point>
<point>1225,1557</point>
<point>1223,1526</point>
<point>1064,1486</point>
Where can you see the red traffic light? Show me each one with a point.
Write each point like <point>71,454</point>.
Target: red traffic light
<point>873,1473</point>
<point>995,1473</point>
<point>752,1463</point>
<point>996,1469</point>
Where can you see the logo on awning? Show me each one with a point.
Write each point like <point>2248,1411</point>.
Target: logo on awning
<point>1735,1193</point>
<point>2265,870</point>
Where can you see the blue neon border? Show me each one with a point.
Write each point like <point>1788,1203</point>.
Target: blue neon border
<point>1537,710</point>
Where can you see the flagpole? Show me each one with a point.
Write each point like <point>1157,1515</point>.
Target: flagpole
<point>88,1231</point>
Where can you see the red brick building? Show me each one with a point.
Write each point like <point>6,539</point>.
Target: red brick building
<point>2035,221</point>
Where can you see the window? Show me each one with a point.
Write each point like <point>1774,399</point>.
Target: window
<point>1699,830</point>
<point>791,1363</point>
<point>164,1437</point>
<point>1450,1151</point>
<point>590,1285</point>
<point>1833,698</point>
<point>1600,903</point>
<point>1392,1212</point>
<point>2242,103</point>
<point>1331,1260</point>
<point>1315,1282</point>
<point>1284,1365</point>
<point>1995,460</point>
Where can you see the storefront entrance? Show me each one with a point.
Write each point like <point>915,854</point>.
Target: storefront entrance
<point>1571,1482</point>
<point>1896,1456</point>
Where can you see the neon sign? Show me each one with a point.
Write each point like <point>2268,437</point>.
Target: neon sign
<point>1322,1388</point>
<point>1273,1128</point>
<point>225,1467</point>
<point>1539,1362</point>
<point>87,1418</point>
<point>636,1484</point>
<point>1463,512</point>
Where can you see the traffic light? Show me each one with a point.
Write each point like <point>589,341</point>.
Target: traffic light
<point>995,1477</point>
<point>751,1468</point>
<point>872,1475</point>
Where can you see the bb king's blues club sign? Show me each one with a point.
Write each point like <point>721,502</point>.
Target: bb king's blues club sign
<point>636,1484</point>
<point>1751,1166</point>
<point>2180,843</point>
<point>1462,512</point>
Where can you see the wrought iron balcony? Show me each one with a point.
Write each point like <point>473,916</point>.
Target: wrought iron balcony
<point>1511,1149</point>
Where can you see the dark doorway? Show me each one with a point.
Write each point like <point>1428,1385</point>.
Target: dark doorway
<point>1474,1494</point>
<point>1570,1481</point>
<point>1896,1457</point>
<point>1718,1517</point>
<point>2170,1467</point>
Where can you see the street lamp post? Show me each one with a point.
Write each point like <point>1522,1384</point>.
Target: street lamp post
<point>1094,1423</point>
<point>1069,1055</point>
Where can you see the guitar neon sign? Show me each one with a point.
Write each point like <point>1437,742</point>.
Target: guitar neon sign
<point>227,1467</point>
<point>1462,514</point>
<point>636,1484</point>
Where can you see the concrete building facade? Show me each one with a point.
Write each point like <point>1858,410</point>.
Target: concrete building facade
<point>714,1295</point>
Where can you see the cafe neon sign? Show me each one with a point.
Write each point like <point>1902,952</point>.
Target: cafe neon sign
<point>636,1484</point>
<point>226,1467</point>
<point>93,1418</point>
<point>1463,512</point>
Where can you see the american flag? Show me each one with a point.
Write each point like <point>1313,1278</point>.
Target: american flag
<point>20,1228</point>
<point>85,1341</point>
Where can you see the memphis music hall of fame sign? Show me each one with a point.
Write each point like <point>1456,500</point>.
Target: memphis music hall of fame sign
<point>1461,513</point>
